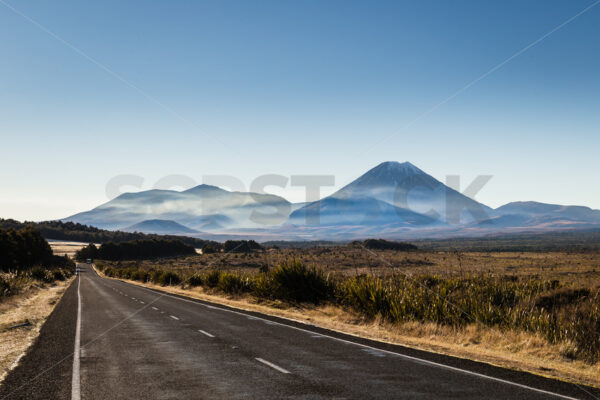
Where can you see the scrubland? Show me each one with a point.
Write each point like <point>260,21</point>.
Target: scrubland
<point>536,311</point>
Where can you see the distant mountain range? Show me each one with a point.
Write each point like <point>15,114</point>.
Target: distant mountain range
<point>394,200</point>
<point>204,208</point>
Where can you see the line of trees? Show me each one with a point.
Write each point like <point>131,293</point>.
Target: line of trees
<point>241,246</point>
<point>381,244</point>
<point>26,248</point>
<point>135,250</point>
<point>83,233</point>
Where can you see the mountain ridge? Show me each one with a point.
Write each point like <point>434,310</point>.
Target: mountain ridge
<point>390,199</point>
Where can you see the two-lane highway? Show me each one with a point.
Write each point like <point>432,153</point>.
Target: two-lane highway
<point>135,343</point>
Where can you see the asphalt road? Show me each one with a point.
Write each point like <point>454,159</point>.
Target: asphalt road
<point>136,343</point>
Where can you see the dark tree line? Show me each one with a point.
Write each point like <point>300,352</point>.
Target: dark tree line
<point>135,250</point>
<point>241,246</point>
<point>381,244</point>
<point>25,248</point>
<point>83,233</point>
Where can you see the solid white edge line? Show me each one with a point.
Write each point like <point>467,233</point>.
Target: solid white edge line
<point>76,377</point>
<point>205,333</point>
<point>407,357</point>
<point>270,364</point>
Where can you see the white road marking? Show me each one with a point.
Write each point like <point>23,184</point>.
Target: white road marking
<point>205,333</point>
<point>76,377</point>
<point>407,357</point>
<point>174,317</point>
<point>375,353</point>
<point>155,309</point>
<point>142,302</point>
<point>270,364</point>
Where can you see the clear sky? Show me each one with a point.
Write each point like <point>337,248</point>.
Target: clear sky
<point>246,88</point>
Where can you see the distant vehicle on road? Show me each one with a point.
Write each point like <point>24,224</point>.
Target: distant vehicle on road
<point>89,261</point>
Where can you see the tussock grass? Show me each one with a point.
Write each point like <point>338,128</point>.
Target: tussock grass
<point>13,283</point>
<point>293,281</point>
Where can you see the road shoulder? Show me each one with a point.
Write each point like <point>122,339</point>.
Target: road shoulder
<point>44,370</point>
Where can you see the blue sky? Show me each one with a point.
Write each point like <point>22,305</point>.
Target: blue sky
<point>309,87</point>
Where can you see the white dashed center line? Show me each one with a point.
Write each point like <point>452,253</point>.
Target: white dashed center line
<point>275,367</point>
<point>155,309</point>
<point>174,317</point>
<point>205,333</point>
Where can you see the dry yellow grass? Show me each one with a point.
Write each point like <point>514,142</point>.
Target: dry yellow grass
<point>34,305</point>
<point>62,248</point>
<point>570,268</point>
<point>515,350</point>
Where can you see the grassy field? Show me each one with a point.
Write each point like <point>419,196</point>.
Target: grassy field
<point>569,268</point>
<point>65,248</point>
<point>538,311</point>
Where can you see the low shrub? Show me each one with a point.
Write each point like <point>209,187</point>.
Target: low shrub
<point>140,275</point>
<point>232,283</point>
<point>195,280</point>
<point>212,278</point>
<point>155,275</point>
<point>41,274</point>
<point>58,275</point>
<point>168,278</point>
<point>6,289</point>
<point>293,281</point>
<point>562,297</point>
<point>263,286</point>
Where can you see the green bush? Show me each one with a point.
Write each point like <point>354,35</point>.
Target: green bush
<point>212,278</point>
<point>195,280</point>
<point>140,275</point>
<point>263,286</point>
<point>41,274</point>
<point>169,278</point>
<point>155,275</point>
<point>6,288</point>
<point>58,275</point>
<point>292,281</point>
<point>232,283</point>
